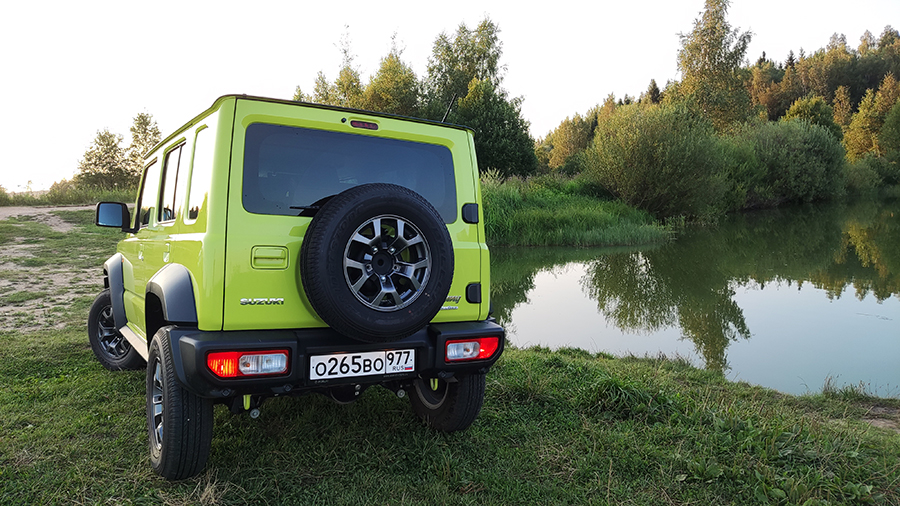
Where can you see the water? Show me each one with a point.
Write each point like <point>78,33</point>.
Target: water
<point>790,299</point>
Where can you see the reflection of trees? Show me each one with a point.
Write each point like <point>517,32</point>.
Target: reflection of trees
<point>869,255</point>
<point>653,290</point>
<point>692,281</point>
<point>513,271</point>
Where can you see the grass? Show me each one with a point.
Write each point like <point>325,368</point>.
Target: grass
<point>66,194</point>
<point>550,210</point>
<point>564,427</point>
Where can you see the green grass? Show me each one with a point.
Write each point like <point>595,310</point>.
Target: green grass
<point>552,211</point>
<point>67,194</point>
<point>563,427</point>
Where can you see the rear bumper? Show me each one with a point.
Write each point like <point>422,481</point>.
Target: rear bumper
<point>191,346</point>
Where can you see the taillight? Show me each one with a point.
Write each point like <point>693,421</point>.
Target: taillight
<point>478,348</point>
<point>235,364</point>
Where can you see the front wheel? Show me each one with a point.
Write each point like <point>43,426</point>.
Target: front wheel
<point>110,347</point>
<point>180,423</point>
<point>448,406</point>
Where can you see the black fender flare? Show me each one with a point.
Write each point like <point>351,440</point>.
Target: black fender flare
<point>116,284</point>
<point>173,287</point>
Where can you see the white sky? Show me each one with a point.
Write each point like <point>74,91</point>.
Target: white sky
<point>69,69</point>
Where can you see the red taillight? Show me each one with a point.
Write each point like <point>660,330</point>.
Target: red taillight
<point>478,348</point>
<point>234,364</point>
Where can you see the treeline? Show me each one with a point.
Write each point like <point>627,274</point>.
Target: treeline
<point>107,171</point>
<point>462,84</point>
<point>730,136</point>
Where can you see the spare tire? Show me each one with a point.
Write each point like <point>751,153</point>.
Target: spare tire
<point>377,262</point>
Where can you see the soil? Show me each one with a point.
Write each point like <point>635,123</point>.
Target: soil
<point>52,287</point>
<point>43,214</point>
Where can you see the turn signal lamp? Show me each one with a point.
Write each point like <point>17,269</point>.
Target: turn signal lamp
<point>235,364</point>
<point>471,349</point>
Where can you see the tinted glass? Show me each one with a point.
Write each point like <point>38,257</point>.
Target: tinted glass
<point>170,179</point>
<point>290,166</point>
<point>149,193</point>
<point>200,173</point>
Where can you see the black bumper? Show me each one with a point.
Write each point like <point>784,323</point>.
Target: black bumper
<point>191,346</point>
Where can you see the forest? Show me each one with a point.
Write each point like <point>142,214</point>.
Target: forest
<point>729,135</point>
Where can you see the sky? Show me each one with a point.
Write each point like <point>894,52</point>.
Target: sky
<point>70,69</point>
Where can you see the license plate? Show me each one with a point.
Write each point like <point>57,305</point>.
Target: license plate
<point>348,365</point>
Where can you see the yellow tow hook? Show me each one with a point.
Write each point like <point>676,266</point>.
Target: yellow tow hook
<point>247,402</point>
<point>434,384</point>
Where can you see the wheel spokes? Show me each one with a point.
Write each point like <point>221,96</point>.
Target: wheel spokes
<point>386,263</point>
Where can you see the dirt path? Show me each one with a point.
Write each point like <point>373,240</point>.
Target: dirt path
<point>43,214</point>
<point>33,292</point>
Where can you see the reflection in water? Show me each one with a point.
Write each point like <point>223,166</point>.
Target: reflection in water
<point>691,283</point>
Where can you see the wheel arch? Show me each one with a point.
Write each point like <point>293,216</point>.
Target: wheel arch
<point>170,296</point>
<point>114,280</point>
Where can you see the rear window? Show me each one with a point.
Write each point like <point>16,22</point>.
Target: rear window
<point>287,167</point>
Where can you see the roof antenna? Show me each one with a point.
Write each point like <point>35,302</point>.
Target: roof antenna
<point>452,101</point>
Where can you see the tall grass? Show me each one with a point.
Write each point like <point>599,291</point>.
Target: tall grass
<point>554,210</point>
<point>66,194</point>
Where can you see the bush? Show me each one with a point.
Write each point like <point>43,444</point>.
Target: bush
<point>802,162</point>
<point>663,159</point>
<point>743,171</point>
<point>862,175</point>
<point>5,199</point>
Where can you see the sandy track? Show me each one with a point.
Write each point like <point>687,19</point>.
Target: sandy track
<point>43,214</point>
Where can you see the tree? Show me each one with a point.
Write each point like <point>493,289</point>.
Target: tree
<point>501,134</point>
<point>572,136</point>
<point>862,134</point>
<point>394,88</point>
<point>454,63</point>
<point>710,62</point>
<point>815,110</point>
<point>347,89</point>
<point>144,135</point>
<point>652,95</point>
<point>867,43</point>
<point>104,165</point>
<point>843,107</point>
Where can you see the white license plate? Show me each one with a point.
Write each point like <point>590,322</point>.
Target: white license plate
<point>348,365</point>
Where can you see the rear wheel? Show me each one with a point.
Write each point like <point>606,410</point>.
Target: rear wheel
<point>110,347</point>
<point>180,423</point>
<point>448,406</point>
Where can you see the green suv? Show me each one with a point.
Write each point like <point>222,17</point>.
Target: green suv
<point>280,248</point>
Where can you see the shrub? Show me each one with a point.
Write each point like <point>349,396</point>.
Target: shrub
<point>802,162</point>
<point>862,175</point>
<point>664,159</point>
<point>816,110</point>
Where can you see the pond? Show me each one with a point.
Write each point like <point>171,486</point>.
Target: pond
<point>792,299</point>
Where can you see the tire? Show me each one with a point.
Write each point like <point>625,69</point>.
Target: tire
<point>110,347</point>
<point>451,406</point>
<point>377,262</point>
<point>180,424</point>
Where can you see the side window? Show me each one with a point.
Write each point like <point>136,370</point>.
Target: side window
<point>200,174</point>
<point>149,193</point>
<point>170,182</point>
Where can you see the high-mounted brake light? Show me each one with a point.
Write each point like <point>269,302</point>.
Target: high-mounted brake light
<point>478,348</point>
<point>235,364</point>
<point>364,124</point>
